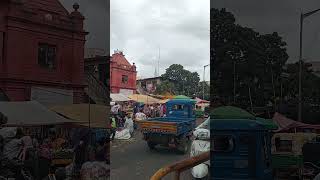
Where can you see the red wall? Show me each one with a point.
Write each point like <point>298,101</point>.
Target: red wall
<point>23,33</point>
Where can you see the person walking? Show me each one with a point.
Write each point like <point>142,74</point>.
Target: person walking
<point>113,127</point>
<point>129,124</point>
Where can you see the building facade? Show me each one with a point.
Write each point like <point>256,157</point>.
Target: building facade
<point>149,85</point>
<point>41,51</point>
<point>123,75</point>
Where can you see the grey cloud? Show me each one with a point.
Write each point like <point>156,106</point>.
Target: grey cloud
<point>139,28</point>
<point>177,27</point>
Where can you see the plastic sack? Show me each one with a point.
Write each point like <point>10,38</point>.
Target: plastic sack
<point>12,148</point>
<point>8,132</point>
<point>69,171</point>
<point>317,177</point>
<point>123,134</point>
<point>203,134</point>
<point>94,170</point>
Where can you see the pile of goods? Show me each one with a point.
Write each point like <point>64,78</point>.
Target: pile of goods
<point>63,157</point>
<point>95,170</point>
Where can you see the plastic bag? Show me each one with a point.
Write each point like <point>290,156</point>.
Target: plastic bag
<point>123,134</point>
<point>8,132</point>
<point>94,170</point>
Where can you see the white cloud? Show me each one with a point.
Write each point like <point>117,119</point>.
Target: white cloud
<point>180,28</point>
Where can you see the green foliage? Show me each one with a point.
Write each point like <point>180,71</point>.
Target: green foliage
<point>243,56</point>
<point>165,87</point>
<point>179,81</point>
<point>257,61</point>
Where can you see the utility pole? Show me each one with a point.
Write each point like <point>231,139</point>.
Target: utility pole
<point>89,108</point>
<point>302,17</point>
<point>234,82</point>
<point>300,70</point>
<point>204,74</point>
<point>159,63</point>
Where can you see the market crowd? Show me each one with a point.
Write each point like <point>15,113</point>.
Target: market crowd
<point>123,115</point>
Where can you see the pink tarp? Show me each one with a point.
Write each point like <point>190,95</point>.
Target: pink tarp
<point>201,100</point>
<point>286,124</point>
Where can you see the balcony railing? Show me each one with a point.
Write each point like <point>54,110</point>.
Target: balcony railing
<point>97,90</point>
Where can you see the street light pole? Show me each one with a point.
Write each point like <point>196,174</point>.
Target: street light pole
<point>302,16</point>
<point>300,69</point>
<point>204,74</point>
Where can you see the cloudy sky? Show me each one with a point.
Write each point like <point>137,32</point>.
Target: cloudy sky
<point>281,16</point>
<point>180,28</point>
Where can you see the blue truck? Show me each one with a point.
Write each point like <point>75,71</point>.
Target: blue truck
<point>173,130</point>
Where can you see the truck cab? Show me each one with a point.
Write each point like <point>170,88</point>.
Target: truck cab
<point>180,109</point>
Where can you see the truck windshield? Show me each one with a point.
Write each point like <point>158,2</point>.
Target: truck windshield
<point>223,143</point>
<point>178,107</point>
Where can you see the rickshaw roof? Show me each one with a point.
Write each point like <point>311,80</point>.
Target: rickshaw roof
<point>242,124</point>
<point>229,117</point>
<point>181,101</point>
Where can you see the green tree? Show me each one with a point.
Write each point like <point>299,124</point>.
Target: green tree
<point>165,87</point>
<point>184,81</point>
<point>242,58</point>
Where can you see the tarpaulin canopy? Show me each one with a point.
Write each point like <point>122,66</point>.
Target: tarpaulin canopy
<point>30,113</point>
<point>80,114</point>
<point>119,97</point>
<point>143,99</point>
<point>200,101</point>
<point>230,112</point>
<point>235,113</point>
<point>286,124</point>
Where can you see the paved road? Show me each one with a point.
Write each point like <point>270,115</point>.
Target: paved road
<point>132,159</point>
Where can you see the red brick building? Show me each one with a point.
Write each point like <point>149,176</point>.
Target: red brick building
<point>41,51</point>
<point>123,75</point>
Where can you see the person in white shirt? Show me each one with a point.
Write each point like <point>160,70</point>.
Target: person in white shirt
<point>129,124</point>
<point>140,115</point>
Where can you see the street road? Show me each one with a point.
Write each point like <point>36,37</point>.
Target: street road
<point>132,159</point>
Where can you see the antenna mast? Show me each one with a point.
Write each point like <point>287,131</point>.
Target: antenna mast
<point>159,63</point>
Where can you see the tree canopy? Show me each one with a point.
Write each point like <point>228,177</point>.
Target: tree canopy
<point>178,80</point>
<point>243,58</point>
<point>245,62</point>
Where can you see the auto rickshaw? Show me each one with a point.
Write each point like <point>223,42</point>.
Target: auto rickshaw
<point>241,145</point>
<point>287,157</point>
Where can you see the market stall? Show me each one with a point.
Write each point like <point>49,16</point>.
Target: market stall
<point>43,131</point>
<point>93,115</point>
<point>30,114</point>
<point>118,97</point>
<point>143,99</point>
<point>92,122</point>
